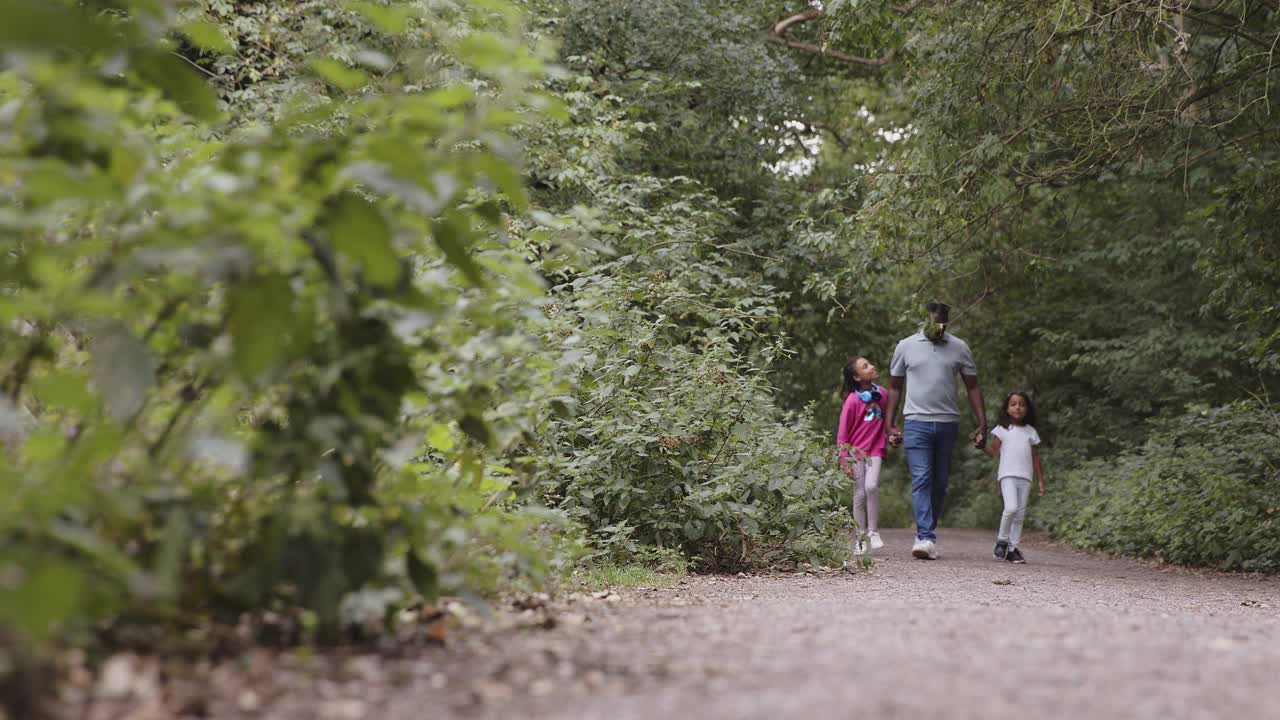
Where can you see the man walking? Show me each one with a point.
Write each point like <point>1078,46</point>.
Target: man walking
<point>924,369</point>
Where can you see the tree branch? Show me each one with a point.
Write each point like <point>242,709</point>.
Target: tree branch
<point>776,37</point>
<point>844,144</point>
<point>1186,165</point>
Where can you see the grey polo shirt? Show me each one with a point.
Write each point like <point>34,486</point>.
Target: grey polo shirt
<point>930,369</point>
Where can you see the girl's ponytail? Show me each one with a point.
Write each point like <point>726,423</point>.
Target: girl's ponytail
<point>850,381</point>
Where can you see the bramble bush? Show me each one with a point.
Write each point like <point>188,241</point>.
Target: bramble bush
<point>276,332</point>
<point>1203,490</point>
<point>683,449</point>
<point>255,345</point>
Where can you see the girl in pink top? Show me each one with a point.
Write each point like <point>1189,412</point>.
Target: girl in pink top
<point>861,442</point>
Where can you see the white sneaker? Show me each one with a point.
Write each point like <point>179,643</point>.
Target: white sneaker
<point>920,549</point>
<point>859,545</point>
<point>873,539</point>
<point>925,550</point>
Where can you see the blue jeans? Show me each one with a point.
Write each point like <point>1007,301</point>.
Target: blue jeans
<point>928,446</point>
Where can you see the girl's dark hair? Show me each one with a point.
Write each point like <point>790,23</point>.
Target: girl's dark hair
<point>1030,418</point>
<point>850,381</point>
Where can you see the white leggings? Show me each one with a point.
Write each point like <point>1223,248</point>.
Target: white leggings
<point>866,494</point>
<point>1016,492</point>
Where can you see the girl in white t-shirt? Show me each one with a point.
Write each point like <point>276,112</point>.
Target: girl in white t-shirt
<point>1014,441</point>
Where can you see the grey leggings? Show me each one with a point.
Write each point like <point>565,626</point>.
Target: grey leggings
<point>1016,492</point>
<point>866,494</point>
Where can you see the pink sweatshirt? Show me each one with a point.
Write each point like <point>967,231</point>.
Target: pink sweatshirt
<point>862,426</point>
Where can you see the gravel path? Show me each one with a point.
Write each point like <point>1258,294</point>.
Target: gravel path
<point>1068,635</point>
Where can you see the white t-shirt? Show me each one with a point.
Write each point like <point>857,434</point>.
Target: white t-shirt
<point>1015,450</point>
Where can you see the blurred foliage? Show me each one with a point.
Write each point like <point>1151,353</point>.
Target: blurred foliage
<point>322,307</point>
<point>314,309</point>
<point>268,339</point>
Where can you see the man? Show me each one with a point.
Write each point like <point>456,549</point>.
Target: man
<point>924,368</point>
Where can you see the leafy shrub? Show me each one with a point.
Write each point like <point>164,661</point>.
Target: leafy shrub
<point>251,349</point>
<point>1203,490</point>
<point>674,439</point>
<point>683,448</point>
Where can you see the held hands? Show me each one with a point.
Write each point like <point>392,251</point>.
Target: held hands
<point>979,439</point>
<point>895,437</point>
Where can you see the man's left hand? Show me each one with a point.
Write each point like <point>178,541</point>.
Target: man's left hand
<point>979,439</point>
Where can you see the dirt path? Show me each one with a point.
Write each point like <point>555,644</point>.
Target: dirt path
<point>1066,636</point>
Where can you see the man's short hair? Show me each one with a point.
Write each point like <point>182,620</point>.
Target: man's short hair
<point>938,307</point>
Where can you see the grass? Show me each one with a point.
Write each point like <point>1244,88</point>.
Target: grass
<point>605,576</point>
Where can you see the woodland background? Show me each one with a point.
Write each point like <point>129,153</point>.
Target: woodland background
<point>310,310</point>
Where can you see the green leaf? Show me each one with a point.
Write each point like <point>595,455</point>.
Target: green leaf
<point>450,97</point>
<point>359,231</point>
<point>475,427</point>
<point>208,37</point>
<point>40,24</point>
<point>179,82</point>
<point>123,370</point>
<point>261,314</point>
<point>440,437</point>
<point>424,575</point>
<point>505,177</point>
<point>550,106</point>
<point>453,236</point>
<point>485,51</point>
<point>92,545</point>
<point>44,445</point>
<point>392,20</point>
<point>50,181</point>
<point>125,164</point>
<point>50,592</point>
<point>67,389</point>
<point>339,75</point>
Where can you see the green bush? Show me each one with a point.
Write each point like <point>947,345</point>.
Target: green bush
<point>685,449</point>
<point>251,347</point>
<point>1203,490</point>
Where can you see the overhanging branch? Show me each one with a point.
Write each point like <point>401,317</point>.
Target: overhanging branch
<point>777,38</point>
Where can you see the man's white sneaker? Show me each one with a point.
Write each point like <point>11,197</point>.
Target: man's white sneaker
<point>920,549</point>
<point>859,545</point>
<point>873,539</point>
<point>925,550</point>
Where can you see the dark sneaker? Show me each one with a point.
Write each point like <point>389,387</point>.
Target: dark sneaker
<point>1001,549</point>
<point>1015,556</point>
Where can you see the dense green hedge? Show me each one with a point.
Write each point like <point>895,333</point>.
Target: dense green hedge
<point>1203,490</point>
<point>295,324</point>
